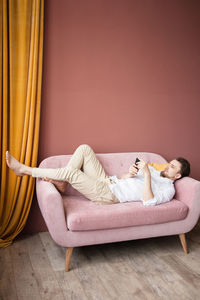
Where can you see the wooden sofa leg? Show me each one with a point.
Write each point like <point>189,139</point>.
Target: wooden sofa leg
<point>68,257</point>
<point>183,242</point>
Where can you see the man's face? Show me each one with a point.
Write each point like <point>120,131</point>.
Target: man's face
<point>172,171</point>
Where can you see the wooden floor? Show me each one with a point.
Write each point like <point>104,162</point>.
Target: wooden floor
<point>33,268</point>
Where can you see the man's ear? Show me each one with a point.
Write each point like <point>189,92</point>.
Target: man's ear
<point>177,176</point>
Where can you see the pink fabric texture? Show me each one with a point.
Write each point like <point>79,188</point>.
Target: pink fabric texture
<point>83,214</point>
<point>64,215</point>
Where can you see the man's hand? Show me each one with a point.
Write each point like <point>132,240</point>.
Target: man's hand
<point>133,170</point>
<point>142,165</point>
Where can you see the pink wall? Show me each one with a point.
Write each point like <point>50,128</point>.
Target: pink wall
<point>121,75</point>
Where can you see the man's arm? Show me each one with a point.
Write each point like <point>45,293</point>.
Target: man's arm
<point>147,190</point>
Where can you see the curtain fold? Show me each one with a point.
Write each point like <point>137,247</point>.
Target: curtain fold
<point>21,51</point>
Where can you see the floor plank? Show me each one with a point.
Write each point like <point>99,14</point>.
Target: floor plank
<point>48,284</point>
<point>25,279</point>
<point>69,282</point>
<point>159,275</point>
<point>115,277</point>
<point>7,276</point>
<point>93,287</point>
<point>71,285</point>
<point>54,252</point>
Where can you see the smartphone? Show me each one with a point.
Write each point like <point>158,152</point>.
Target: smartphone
<point>136,161</point>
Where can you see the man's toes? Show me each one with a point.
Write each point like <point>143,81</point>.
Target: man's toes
<point>7,157</point>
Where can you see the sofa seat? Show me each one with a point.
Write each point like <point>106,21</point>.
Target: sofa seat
<point>83,215</point>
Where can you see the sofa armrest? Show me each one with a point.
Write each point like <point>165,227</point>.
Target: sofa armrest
<point>188,191</point>
<point>51,205</point>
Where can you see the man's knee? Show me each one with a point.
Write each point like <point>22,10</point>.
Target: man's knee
<point>84,148</point>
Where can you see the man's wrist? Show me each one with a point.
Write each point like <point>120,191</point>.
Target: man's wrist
<point>147,173</point>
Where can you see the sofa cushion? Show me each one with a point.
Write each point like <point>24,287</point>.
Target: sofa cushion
<point>83,214</point>
<point>159,167</point>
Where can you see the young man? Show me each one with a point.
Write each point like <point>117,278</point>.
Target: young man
<point>85,173</point>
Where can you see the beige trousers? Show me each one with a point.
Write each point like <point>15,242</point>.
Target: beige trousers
<point>85,173</point>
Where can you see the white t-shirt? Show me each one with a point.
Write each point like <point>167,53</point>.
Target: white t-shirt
<point>131,189</point>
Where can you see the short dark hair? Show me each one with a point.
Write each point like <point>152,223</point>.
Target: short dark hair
<point>185,166</point>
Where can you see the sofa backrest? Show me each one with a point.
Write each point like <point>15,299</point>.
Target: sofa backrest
<point>113,163</point>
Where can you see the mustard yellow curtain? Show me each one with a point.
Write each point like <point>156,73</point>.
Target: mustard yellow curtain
<point>21,49</point>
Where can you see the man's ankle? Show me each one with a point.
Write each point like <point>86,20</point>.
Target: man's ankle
<point>27,170</point>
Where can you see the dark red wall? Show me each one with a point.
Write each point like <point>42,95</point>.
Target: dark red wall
<point>121,75</point>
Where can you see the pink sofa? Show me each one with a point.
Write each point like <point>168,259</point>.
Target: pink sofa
<point>74,221</point>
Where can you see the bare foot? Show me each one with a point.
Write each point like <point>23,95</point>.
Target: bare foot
<point>15,165</point>
<point>60,185</point>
